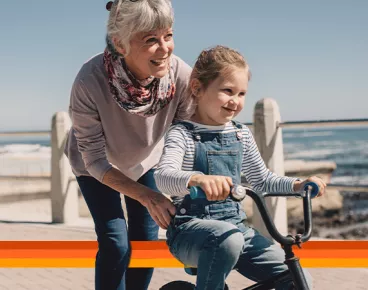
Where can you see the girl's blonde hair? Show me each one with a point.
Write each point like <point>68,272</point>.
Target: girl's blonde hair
<point>211,63</point>
<point>215,61</point>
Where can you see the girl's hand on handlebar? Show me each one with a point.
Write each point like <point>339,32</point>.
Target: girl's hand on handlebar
<point>299,185</point>
<point>216,187</point>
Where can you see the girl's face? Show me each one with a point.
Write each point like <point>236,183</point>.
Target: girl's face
<point>150,53</point>
<point>223,99</point>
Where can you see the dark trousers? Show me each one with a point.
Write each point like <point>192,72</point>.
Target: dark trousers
<point>104,203</point>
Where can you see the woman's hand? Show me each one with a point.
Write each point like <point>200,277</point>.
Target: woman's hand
<point>299,185</point>
<point>160,208</point>
<point>216,187</point>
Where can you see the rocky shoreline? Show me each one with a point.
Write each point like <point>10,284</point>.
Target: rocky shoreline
<point>341,216</point>
<point>336,225</point>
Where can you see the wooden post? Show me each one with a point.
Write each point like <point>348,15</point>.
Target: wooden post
<point>268,137</point>
<point>64,188</point>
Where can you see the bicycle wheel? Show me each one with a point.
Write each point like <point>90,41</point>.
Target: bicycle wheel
<point>178,285</point>
<point>182,285</point>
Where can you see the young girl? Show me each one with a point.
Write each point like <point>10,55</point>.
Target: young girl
<point>211,151</point>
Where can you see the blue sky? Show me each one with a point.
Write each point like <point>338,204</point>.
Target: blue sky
<point>311,56</point>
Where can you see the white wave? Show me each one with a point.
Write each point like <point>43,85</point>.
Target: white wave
<point>308,134</point>
<point>334,143</point>
<point>364,151</point>
<point>358,149</point>
<point>25,160</point>
<point>354,162</point>
<point>362,146</point>
<point>350,180</point>
<point>25,166</point>
<point>33,151</point>
<point>293,147</point>
<point>314,153</point>
<point>20,148</point>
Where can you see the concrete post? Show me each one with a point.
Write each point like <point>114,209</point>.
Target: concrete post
<point>268,137</point>
<point>64,189</point>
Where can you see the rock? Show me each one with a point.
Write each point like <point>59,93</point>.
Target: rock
<point>304,169</point>
<point>332,200</point>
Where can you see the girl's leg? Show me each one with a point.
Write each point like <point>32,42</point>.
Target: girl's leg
<point>141,227</point>
<point>211,246</point>
<point>261,259</point>
<point>113,253</point>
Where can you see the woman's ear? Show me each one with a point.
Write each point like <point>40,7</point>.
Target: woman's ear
<point>118,47</point>
<point>196,88</point>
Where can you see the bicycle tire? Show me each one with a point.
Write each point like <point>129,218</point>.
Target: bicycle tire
<point>178,285</point>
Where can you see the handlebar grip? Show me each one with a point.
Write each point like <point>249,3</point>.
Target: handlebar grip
<point>197,192</point>
<point>237,192</point>
<point>314,190</point>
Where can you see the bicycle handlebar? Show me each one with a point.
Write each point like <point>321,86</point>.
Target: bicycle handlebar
<point>311,190</point>
<point>237,192</point>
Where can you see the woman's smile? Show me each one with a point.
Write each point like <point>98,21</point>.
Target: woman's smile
<point>159,61</point>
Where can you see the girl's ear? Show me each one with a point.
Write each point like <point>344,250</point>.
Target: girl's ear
<point>118,47</point>
<point>196,88</point>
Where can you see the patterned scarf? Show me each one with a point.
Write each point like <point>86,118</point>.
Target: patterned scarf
<point>141,97</point>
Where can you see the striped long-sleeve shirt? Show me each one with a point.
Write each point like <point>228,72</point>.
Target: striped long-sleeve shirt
<point>176,165</point>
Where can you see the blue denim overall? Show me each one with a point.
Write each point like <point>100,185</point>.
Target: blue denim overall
<point>213,235</point>
<point>215,154</point>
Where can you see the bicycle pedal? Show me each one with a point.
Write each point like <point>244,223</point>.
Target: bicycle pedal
<point>191,271</point>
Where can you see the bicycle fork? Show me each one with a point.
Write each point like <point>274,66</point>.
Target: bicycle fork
<point>296,271</point>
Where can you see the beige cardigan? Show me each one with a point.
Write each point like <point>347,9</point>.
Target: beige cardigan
<point>104,135</point>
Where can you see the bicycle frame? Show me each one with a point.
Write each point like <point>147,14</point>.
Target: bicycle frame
<point>295,270</point>
<point>286,242</point>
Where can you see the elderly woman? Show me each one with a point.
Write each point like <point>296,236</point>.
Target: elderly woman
<point>122,103</point>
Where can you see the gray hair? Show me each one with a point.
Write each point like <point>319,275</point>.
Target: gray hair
<point>130,17</point>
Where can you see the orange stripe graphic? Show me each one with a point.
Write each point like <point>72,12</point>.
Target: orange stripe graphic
<point>62,253</point>
<point>156,254</point>
<point>163,263</point>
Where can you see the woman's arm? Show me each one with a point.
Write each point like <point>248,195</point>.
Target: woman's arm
<point>88,130</point>
<point>160,208</point>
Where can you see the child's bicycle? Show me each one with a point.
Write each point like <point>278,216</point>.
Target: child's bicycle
<point>287,242</point>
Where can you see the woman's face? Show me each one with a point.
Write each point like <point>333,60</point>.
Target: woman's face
<point>150,53</point>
